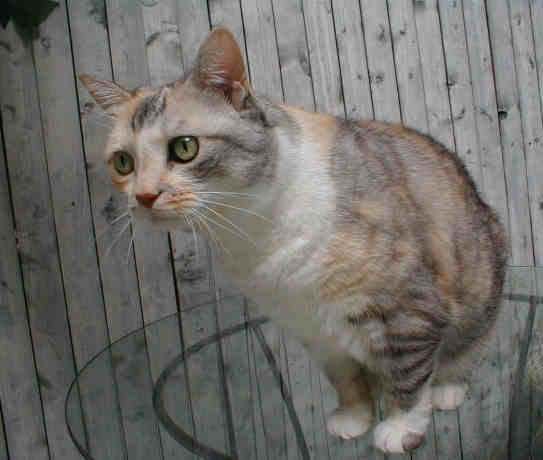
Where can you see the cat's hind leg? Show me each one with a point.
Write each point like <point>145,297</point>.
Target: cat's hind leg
<point>457,362</point>
<point>356,411</point>
<point>404,429</point>
<point>405,360</point>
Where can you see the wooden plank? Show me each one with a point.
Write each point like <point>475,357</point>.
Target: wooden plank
<point>236,352</point>
<point>323,58</point>
<point>510,39</point>
<point>532,130</point>
<point>210,421</point>
<point>485,406</point>
<point>486,115</point>
<point>460,87</point>
<point>533,165</point>
<point>162,42</point>
<point>511,83</point>
<point>434,73</point>
<point>384,89</point>
<point>70,197</point>
<point>293,53</point>
<point>533,372</point>
<point>3,445</point>
<point>37,241</point>
<point>164,344</point>
<point>409,72</point>
<point>262,54</point>
<point>19,392</point>
<point>352,58</point>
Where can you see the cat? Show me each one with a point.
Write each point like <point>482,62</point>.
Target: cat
<point>366,241</point>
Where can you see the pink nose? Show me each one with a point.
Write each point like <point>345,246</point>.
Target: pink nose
<point>147,199</point>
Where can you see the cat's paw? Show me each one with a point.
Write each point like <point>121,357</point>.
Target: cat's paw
<point>350,422</point>
<point>396,436</point>
<point>448,396</point>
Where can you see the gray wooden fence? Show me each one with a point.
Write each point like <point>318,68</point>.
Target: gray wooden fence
<point>467,72</point>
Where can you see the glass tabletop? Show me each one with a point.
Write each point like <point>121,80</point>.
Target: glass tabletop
<point>213,382</point>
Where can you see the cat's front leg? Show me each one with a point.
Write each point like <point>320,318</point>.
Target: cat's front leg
<point>355,413</point>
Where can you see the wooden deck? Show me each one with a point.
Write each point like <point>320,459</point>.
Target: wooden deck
<point>468,72</point>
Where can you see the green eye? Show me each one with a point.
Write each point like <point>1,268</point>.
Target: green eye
<point>183,149</point>
<point>123,163</point>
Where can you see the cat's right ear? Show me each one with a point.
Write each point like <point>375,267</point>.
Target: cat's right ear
<point>220,68</point>
<point>109,95</point>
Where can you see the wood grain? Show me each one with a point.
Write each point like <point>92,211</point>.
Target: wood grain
<point>19,388</point>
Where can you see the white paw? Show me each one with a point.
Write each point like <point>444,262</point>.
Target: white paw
<point>350,422</point>
<point>448,396</point>
<point>396,436</point>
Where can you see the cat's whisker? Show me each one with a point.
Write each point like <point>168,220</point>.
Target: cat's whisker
<point>230,194</point>
<point>212,235</point>
<point>189,222</point>
<point>228,229</point>
<point>202,219</point>
<point>252,213</point>
<point>228,221</point>
<point>119,217</point>
<point>108,250</point>
<point>111,224</point>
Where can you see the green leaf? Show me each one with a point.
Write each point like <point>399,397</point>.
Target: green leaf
<point>36,11</point>
<point>5,15</point>
<point>27,16</point>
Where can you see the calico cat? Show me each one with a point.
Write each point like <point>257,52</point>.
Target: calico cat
<point>367,241</point>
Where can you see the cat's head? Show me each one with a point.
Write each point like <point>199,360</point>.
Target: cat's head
<point>172,147</point>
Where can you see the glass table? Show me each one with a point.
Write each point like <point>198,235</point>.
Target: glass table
<point>212,382</point>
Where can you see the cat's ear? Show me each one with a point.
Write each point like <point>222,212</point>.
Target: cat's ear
<point>220,67</point>
<point>106,93</point>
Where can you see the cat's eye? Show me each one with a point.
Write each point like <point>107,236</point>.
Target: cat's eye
<point>183,149</point>
<point>123,162</point>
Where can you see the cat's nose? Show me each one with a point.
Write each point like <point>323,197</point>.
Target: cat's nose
<point>147,199</point>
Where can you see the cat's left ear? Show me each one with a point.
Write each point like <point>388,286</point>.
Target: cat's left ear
<point>108,94</point>
<point>220,68</point>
